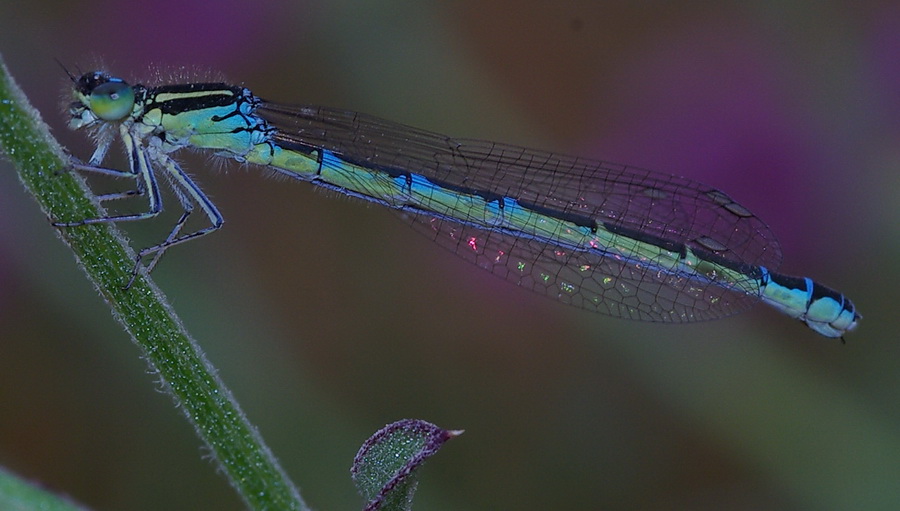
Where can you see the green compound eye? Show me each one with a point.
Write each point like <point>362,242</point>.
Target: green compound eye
<point>112,101</point>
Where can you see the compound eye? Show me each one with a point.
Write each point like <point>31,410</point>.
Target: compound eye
<point>112,101</point>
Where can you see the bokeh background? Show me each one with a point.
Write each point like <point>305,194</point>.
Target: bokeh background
<point>329,318</point>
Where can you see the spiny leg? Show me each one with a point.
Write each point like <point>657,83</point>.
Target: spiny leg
<point>188,193</point>
<point>137,192</point>
<point>159,249</point>
<point>141,170</point>
<point>120,195</point>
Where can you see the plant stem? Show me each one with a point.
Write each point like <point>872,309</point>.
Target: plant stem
<point>17,494</point>
<point>142,309</point>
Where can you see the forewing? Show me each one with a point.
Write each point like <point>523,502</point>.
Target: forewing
<point>675,209</point>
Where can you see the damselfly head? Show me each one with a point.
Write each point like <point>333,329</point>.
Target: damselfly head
<point>100,97</point>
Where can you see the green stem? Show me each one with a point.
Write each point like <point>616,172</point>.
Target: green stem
<point>142,309</point>
<point>17,494</point>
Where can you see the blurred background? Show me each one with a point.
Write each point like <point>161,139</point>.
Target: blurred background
<point>329,318</point>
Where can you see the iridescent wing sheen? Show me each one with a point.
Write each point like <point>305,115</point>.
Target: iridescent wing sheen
<point>665,207</point>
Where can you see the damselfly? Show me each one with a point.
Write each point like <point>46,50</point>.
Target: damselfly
<point>610,238</point>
